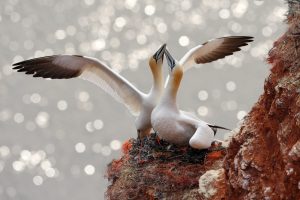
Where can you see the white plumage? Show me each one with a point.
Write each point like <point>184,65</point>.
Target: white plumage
<point>176,126</point>
<point>179,127</point>
<point>70,66</point>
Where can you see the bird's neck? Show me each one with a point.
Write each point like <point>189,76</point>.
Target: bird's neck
<point>171,90</point>
<point>158,82</point>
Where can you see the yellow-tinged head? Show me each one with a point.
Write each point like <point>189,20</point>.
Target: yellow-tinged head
<point>158,58</point>
<point>176,71</point>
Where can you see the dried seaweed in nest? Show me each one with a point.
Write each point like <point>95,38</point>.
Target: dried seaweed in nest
<point>150,148</point>
<point>155,169</point>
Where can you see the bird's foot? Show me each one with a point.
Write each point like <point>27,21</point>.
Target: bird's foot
<point>216,150</point>
<point>216,145</point>
<point>158,140</point>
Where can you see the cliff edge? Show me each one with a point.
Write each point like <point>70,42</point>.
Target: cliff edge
<point>262,160</point>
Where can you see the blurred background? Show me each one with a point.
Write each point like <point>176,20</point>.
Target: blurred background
<point>57,136</point>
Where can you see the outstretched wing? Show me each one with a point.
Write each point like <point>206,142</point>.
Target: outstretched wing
<point>93,70</point>
<point>213,50</point>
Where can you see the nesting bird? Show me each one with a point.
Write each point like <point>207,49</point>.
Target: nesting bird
<point>179,127</point>
<point>71,66</point>
<point>156,109</point>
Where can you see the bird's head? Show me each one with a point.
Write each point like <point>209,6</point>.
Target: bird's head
<point>158,58</point>
<point>175,69</point>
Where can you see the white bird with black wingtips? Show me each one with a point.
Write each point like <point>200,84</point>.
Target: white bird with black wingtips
<point>179,127</point>
<point>70,66</point>
<point>171,124</point>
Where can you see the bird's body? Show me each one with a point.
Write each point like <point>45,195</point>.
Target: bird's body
<point>143,120</point>
<point>179,127</point>
<point>176,126</point>
<point>67,66</point>
<point>175,129</point>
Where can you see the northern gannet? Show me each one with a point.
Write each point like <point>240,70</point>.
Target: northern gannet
<point>176,126</point>
<point>179,127</point>
<point>70,66</point>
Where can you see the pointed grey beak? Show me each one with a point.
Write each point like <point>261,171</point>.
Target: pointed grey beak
<point>170,60</point>
<point>160,53</point>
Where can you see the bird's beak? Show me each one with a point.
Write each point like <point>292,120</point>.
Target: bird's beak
<point>159,55</point>
<point>170,60</point>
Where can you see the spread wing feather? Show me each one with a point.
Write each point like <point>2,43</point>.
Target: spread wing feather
<point>213,50</point>
<point>93,70</point>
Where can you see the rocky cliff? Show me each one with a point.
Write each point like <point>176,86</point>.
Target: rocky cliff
<point>262,160</point>
<point>155,169</point>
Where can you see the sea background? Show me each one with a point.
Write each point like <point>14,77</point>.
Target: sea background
<point>57,136</point>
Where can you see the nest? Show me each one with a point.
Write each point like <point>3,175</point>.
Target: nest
<point>153,169</point>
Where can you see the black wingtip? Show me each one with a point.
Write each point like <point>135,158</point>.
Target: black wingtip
<point>18,63</point>
<point>242,38</point>
<point>247,38</point>
<point>17,66</point>
<point>46,68</point>
<point>21,62</point>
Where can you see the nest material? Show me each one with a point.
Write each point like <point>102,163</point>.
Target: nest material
<point>154,169</point>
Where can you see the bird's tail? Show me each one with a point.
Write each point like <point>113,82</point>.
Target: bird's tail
<point>215,128</point>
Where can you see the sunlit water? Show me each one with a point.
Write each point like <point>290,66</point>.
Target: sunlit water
<point>57,136</point>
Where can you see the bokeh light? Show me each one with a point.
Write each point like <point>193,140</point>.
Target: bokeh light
<point>58,134</point>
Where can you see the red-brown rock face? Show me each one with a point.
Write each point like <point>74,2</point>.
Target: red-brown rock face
<point>263,159</point>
